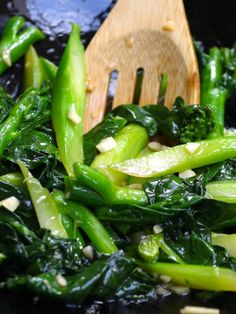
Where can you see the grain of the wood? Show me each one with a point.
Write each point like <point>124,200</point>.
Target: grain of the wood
<point>149,34</point>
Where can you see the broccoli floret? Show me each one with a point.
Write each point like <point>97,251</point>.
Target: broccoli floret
<point>184,123</point>
<point>194,122</point>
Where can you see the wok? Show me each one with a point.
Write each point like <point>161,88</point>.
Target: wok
<point>212,22</point>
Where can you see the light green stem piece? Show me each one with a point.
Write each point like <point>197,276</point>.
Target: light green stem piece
<point>130,141</point>
<point>44,204</point>
<point>228,241</point>
<point>68,102</point>
<point>195,276</point>
<point>180,158</point>
<point>224,191</point>
<point>14,178</point>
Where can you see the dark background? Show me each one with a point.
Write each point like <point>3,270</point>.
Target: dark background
<point>211,21</point>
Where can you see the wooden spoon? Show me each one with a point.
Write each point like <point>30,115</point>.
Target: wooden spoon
<point>148,34</point>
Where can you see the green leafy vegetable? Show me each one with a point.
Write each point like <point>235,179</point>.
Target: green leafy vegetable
<point>31,110</point>
<point>183,123</point>
<point>134,113</point>
<point>110,126</point>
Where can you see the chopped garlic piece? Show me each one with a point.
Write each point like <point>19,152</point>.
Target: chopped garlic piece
<point>6,57</point>
<point>187,174</point>
<point>88,252</point>
<point>192,147</point>
<point>106,145</point>
<point>155,146</point>
<point>162,291</point>
<point>11,203</point>
<point>61,280</point>
<point>157,229</point>
<point>199,310</point>
<point>89,87</point>
<point>73,115</point>
<point>180,290</point>
<point>169,26</point>
<point>135,186</point>
<point>47,284</point>
<point>165,279</point>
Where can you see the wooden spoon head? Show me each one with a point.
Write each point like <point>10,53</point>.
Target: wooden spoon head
<point>160,49</point>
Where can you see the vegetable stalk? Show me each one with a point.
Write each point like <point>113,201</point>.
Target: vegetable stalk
<point>104,192</point>
<point>33,72</point>
<point>130,141</point>
<point>68,101</point>
<point>31,110</point>
<point>223,191</point>
<point>88,222</point>
<point>195,276</point>
<point>180,158</point>
<point>13,44</point>
<point>44,204</point>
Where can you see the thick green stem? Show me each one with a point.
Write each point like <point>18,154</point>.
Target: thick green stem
<point>180,158</point>
<point>223,191</point>
<point>37,69</point>
<point>130,141</point>
<point>195,276</point>
<point>149,249</point>
<point>88,222</point>
<point>44,204</point>
<point>77,192</point>
<point>50,69</point>
<point>70,226</point>
<point>68,101</point>
<point>14,178</point>
<point>212,93</point>
<point>33,75</point>
<point>100,183</point>
<point>94,180</point>
<point>126,196</point>
<point>227,241</point>
<point>14,45</point>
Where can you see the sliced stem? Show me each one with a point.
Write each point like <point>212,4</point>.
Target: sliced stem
<point>44,204</point>
<point>180,158</point>
<point>50,69</point>
<point>87,221</point>
<point>33,71</point>
<point>195,276</point>
<point>68,102</point>
<point>103,190</point>
<point>130,141</point>
<point>94,180</point>
<point>14,178</point>
<point>14,45</point>
<point>213,94</point>
<point>228,241</point>
<point>223,191</point>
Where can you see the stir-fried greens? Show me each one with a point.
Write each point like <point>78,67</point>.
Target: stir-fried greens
<point>145,199</point>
